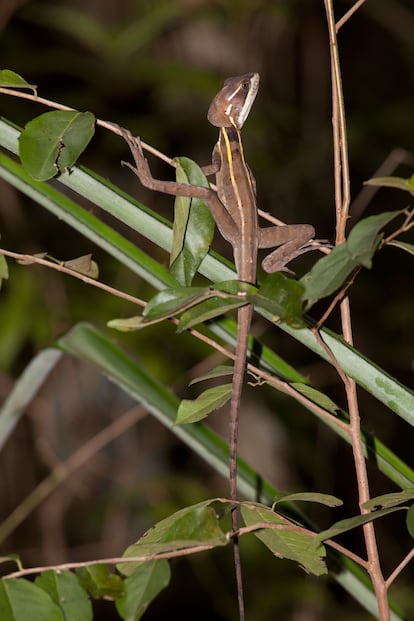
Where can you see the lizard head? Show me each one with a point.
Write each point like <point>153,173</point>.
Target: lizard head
<point>231,106</point>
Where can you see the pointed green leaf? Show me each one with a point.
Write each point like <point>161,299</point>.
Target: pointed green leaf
<point>402,245</point>
<point>331,271</point>
<point>410,521</point>
<point>364,237</point>
<point>206,310</point>
<point>100,582</point>
<point>141,588</point>
<point>52,142</point>
<point>171,301</point>
<point>284,542</point>
<point>67,593</point>
<point>21,600</point>
<point>281,296</point>
<point>389,500</point>
<point>318,397</point>
<point>193,229</point>
<point>323,499</point>
<point>392,182</point>
<point>219,371</point>
<point>10,78</point>
<point>349,523</point>
<point>197,525</point>
<point>210,400</point>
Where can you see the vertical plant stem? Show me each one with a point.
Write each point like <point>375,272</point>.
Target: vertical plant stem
<point>342,201</point>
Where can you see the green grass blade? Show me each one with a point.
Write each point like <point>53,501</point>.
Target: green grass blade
<point>25,389</point>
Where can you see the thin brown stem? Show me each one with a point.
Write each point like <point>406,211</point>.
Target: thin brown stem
<point>342,202</point>
<point>348,14</point>
<point>61,472</point>
<point>29,259</point>
<point>399,568</point>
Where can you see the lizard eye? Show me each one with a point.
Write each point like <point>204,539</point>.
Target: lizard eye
<point>245,85</point>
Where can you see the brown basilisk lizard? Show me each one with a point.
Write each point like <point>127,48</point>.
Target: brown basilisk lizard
<point>235,212</point>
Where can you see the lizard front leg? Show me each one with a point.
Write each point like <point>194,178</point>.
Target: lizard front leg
<point>293,240</point>
<point>221,216</point>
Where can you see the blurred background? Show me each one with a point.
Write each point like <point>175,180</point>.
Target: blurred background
<point>154,66</point>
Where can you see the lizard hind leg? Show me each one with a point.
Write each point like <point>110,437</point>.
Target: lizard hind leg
<point>292,241</point>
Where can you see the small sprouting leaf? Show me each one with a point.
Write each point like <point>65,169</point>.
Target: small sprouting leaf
<point>210,400</point>
<point>193,229</point>
<point>52,142</point>
<point>141,588</point>
<point>21,600</point>
<point>281,296</point>
<point>392,182</point>
<point>285,541</point>
<point>349,523</point>
<point>389,500</point>
<point>100,582</point>
<point>11,79</point>
<point>67,593</point>
<point>323,499</point>
<point>401,245</point>
<point>15,558</point>
<point>218,371</point>
<point>410,521</point>
<point>197,525</point>
<point>84,265</point>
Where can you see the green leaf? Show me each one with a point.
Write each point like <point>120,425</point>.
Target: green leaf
<point>10,78</point>
<point>363,238</point>
<point>318,397</point>
<point>410,521</point>
<point>21,600</point>
<point>281,296</point>
<point>323,499</point>
<point>52,142</point>
<point>210,400</point>
<point>285,542</point>
<point>349,523</point>
<point>389,500</point>
<point>330,272</point>
<point>174,300</point>
<point>141,588</point>
<point>193,228</point>
<point>197,525</point>
<point>220,370</point>
<point>402,245</point>
<point>392,182</point>
<point>100,582</point>
<point>206,310</point>
<point>67,593</point>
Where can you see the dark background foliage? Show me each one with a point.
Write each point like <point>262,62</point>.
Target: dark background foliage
<point>153,66</point>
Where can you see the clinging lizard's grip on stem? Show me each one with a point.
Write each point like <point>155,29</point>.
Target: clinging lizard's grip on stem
<point>235,212</point>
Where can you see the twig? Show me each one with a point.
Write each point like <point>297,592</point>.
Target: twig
<point>348,14</point>
<point>28,259</point>
<point>342,201</point>
<point>399,568</point>
<point>64,469</point>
